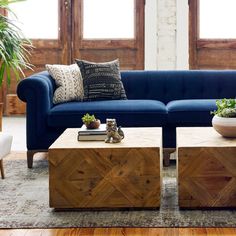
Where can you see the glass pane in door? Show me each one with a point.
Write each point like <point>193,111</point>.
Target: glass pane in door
<point>37,18</point>
<point>108,19</point>
<point>217,19</point>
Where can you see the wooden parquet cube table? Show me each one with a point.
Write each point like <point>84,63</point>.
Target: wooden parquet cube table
<point>95,174</point>
<point>206,168</point>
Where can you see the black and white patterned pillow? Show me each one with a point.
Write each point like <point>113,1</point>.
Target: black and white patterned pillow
<point>69,83</point>
<point>101,81</point>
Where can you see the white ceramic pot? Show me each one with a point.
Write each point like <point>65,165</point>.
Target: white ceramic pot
<point>225,126</point>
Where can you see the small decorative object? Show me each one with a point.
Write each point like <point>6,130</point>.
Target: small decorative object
<point>91,122</point>
<point>224,121</point>
<point>114,135</point>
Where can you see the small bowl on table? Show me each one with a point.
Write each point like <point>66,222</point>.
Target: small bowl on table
<point>94,124</point>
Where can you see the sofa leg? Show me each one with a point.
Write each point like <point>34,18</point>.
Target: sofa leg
<point>166,155</point>
<point>30,156</point>
<point>1,169</point>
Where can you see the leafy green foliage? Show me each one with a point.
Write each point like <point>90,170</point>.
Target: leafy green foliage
<point>14,47</point>
<point>87,119</point>
<point>225,108</point>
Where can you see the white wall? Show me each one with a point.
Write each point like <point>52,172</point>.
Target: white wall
<point>151,35</point>
<point>166,34</point>
<point>182,36</point>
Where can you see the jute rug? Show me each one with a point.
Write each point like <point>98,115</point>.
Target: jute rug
<point>24,204</point>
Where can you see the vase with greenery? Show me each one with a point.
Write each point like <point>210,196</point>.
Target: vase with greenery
<point>224,120</point>
<point>90,121</point>
<point>14,47</point>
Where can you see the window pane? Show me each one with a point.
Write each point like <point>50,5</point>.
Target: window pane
<point>217,19</point>
<point>108,19</point>
<point>38,18</point>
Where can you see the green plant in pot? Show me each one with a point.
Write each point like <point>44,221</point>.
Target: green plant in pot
<point>14,47</point>
<point>90,121</point>
<point>224,120</point>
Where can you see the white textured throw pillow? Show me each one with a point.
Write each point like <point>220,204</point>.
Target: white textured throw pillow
<point>69,81</point>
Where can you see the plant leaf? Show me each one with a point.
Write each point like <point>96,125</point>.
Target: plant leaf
<point>2,70</point>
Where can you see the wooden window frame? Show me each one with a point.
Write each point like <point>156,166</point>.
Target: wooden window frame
<point>209,43</point>
<point>212,43</point>
<point>197,43</point>
<point>109,43</point>
<point>63,11</point>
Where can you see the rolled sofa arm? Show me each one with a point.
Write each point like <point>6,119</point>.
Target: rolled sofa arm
<point>37,91</point>
<point>42,86</point>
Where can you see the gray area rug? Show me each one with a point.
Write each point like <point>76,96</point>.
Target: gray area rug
<point>24,204</point>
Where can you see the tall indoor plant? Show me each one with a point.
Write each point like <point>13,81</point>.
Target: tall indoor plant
<point>14,47</point>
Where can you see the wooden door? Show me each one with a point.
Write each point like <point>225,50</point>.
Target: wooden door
<point>51,47</point>
<point>104,16</point>
<point>212,34</point>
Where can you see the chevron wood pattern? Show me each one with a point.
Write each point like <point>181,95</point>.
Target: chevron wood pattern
<point>99,175</point>
<point>206,168</point>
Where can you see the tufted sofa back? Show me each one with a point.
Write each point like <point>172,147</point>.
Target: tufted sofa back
<point>166,86</point>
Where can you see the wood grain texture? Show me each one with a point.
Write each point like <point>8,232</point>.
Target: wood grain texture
<point>1,110</point>
<point>121,232</point>
<point>14,105</point>
<point>206,168</point>
<point>217,43</point>
<point>193,33</point>
<point>96,174</point>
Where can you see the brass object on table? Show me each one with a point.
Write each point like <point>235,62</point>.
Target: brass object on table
<point>114,135</point>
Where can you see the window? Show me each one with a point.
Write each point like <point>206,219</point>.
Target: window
<point>108,19</point>
<point>104,30</point>
<point>217,19</point>
<point>38,18</point>
<point>212,34</point>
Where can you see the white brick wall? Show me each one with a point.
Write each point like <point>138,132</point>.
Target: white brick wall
<point>166,34</point>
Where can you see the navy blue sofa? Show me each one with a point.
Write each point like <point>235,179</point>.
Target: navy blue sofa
<point>168,99</point>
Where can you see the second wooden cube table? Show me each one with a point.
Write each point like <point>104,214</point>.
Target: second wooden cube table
<point>95,174</point>
<point>206,168</point>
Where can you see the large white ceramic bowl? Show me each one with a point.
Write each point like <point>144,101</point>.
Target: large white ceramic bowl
<point>225,126</point>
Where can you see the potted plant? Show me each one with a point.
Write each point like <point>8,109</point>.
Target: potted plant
<point>14,47</point>
<point>90,121</point>
<point>224,120</point>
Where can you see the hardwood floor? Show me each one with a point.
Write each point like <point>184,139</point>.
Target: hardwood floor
<point>121,232</point>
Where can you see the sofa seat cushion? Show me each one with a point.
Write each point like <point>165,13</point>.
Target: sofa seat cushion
<point>195,112</point>
<point>128,113</point>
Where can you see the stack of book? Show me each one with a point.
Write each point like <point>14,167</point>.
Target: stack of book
<point>85,134</point>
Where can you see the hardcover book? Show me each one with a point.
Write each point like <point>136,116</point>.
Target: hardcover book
<point>85,134</point>
<point>97,137</point>
<point>101,130</point>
